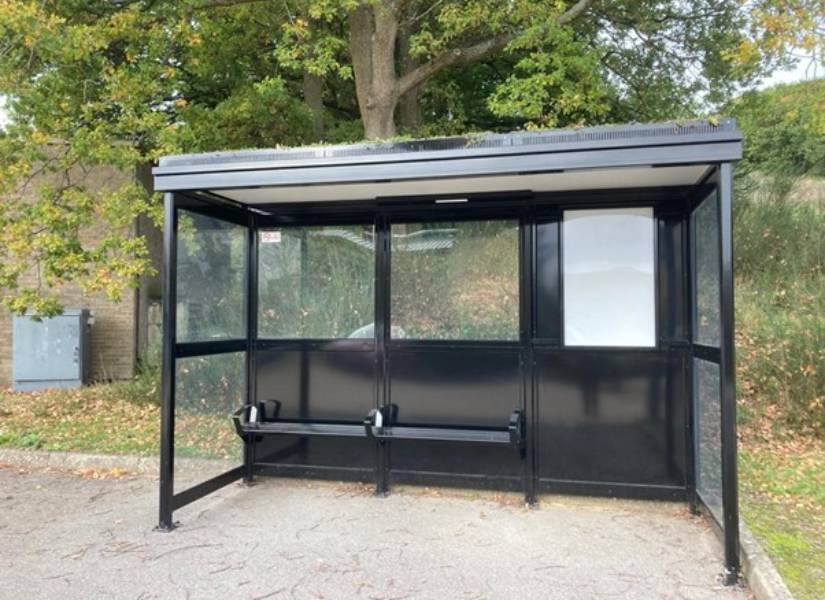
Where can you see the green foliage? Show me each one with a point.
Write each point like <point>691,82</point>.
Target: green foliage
<point>784,129</point>
<point>779,32</point>
<point>76,96</point>
<point>556,86</point>
<point>618,61</point>
<point>780,286</point>
<point>253,116</point>
<point>29,440</point>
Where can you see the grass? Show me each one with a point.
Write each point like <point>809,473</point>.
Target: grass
<point>782,489</point>
<point>114,418</point>
<point>780,304</point>
<point>780,339</point>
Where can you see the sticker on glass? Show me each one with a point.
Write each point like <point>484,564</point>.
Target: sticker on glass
<point>271,237</point>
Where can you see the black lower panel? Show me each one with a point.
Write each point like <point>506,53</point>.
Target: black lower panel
<point>611,416</point>
<point>635,491</point>
<point>316,384</point>
<point>470,386</point>
<point>316,451</point>
<point>455,458</point>
<point>455,386</point>
<point>603,416</point>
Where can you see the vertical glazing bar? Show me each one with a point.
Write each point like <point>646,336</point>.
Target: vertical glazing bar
<point>527,273</point>
<point>690,413</point>
<point>251,335</point>
<point>730,492</point>
<point>382,336</point>
<point>167,415</point>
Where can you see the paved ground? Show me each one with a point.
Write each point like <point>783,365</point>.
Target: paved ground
<point>69,535</point>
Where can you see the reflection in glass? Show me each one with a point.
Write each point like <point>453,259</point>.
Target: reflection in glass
<point>708,408</point>
<point>455,281</point>
<point>317,282</point>
<point>207,390</point>
<point>608,270</point>
<point>211,279</point>
<point>705,222</point>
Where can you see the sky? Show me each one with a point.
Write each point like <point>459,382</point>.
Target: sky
<point>803,70</point>
<point>3,118</point>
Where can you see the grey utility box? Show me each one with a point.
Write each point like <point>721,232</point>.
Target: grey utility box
<point>52,353</point>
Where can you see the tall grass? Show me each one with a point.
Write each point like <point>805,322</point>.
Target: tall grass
<point>780,313</point>
<point>142,389</point>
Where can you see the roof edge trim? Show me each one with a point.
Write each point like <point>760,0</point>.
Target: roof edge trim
<point>518,143</point>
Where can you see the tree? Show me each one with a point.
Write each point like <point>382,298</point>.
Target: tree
<point>92,83</point>
<point>784,129</point>
<point>576,58</point>
<point>783,32</point>
<point>373,32</point>
<point>96,82</point>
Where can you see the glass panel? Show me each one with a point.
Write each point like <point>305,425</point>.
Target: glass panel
<point>211,275</point>
<point>708,441</point>
<point>705,225</point>
<point>548,282</point>
<point>317,282</point>
<point>207,390</point>
<point>458,280</point>
<point>608,277</point>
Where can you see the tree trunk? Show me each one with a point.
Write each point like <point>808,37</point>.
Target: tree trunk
<point>409,105</point>
<point>409,110</point>
<point>373,30</point>
<point>313,88</point>
<point>379,121</point>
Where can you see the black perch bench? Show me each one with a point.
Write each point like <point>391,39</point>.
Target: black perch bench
<point>379,425</point>
<point>254,421</point>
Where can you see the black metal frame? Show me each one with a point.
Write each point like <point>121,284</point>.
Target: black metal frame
<point>167,419</point>
<point>173,350</point>
<point>530,210</point>
<point>719,179</point>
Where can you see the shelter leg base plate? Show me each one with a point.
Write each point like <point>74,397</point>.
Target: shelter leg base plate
<point>730,576</point>
<point>166,527</point>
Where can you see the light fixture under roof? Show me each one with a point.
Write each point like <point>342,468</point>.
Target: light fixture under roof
<point>451,200</point>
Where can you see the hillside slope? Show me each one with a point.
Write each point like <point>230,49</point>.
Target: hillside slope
<point>780,327</point>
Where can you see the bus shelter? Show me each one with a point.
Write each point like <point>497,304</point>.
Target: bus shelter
<point>549,312</point>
